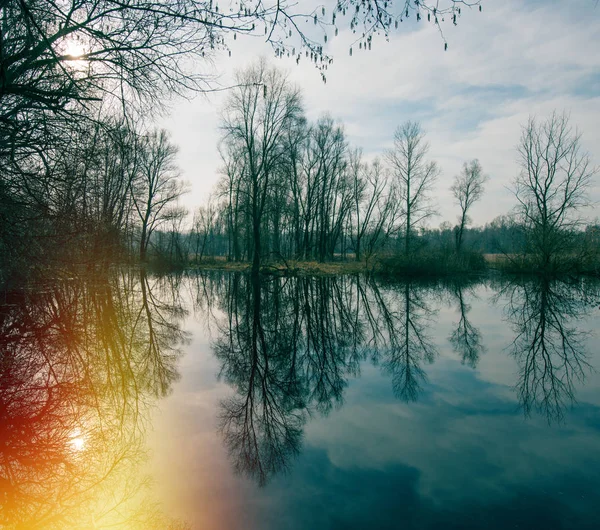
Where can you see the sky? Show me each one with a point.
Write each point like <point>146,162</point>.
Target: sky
<point>512,60</point>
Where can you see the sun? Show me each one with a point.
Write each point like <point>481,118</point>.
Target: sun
<point>78,444</point>
<point>77,441</point>
<point>74,51</point>
<point>71,51</point>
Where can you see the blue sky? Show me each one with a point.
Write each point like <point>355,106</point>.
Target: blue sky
<point>512,60</point>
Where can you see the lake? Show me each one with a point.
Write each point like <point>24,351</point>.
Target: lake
<point>223,401</point>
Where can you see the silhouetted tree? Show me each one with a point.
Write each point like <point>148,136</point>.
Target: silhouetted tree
<point>414,175</point>
<point>257,114</point>
<point>552,187</point>
<point>467,189</point>
<point>157,187</point>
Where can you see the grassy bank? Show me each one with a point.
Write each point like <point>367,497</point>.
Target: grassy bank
<point>288,268</point>
<point>431,264</point>
<point>530,264</point>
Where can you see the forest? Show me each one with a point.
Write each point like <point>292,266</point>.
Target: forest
<point>85,180</point>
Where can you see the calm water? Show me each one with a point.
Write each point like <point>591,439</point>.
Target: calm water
<point>219,402</point>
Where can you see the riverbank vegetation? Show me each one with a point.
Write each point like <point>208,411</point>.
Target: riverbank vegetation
<point>85,180</point>
<point>84,175</point>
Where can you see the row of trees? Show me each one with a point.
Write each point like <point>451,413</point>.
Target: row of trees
<point>295,189</point>
<point>75,74</point>
<point>292,189</point>
<point>105,191</point>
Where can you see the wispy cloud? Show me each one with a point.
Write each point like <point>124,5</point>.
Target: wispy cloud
<point>512,60</point>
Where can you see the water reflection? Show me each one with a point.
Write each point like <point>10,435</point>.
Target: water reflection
<point>290,346</point>
<point>466,339</point>
<point>548,346</point>
<point>85,360</point>
<point>82,360</point>
<point>406,344</point>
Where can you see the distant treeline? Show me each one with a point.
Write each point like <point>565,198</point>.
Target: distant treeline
<point>295,189</point>
<point>500,236</point>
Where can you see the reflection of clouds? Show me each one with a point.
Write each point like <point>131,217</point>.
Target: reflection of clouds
<point>477,448</point>
<point>322,495</point>
<point>461,456</point>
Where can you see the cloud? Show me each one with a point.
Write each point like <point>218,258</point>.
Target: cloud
<point>512,60</point>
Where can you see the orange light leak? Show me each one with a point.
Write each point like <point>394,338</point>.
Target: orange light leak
<point>81,368</point>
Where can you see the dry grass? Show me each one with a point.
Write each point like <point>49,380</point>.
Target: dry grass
<point>495,259</point>
<point>313,268</point>
<point>291,268</point>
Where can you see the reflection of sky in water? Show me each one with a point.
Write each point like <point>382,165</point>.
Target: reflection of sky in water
<point>462,456</point>
<point>111,418</point>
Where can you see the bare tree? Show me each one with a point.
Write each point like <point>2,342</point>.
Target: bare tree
<point>375,209</point>
<point>467,189</point>
<point>204,224</point>
<point>552,186</point>
<point>157,187</point>
<point>257,114</point>
<point>415,176</point>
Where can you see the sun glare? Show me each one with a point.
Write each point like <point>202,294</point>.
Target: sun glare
<point>73,53</point>
<point>77,442</point>
<point>74,50</point>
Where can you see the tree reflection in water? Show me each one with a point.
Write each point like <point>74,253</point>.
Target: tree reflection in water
<point>288,347</point>
<point>466,339</point>
<point>82,360</point>
<point>548,346</point>
<point>407,343</point>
